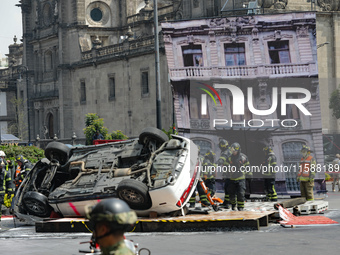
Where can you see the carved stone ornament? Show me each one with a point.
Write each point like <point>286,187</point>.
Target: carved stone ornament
<point>277,34</point>
<point>232,23</point>
<point>255,34</point>
<point>329,5</point>
<point>280,4</point>
<point>302,31</point>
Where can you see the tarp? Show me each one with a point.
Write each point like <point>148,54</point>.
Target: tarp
<point>9,137</point>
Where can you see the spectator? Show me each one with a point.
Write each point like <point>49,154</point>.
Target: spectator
<point>97,136</point>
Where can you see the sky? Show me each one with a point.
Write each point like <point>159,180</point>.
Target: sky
<point>10,24</point>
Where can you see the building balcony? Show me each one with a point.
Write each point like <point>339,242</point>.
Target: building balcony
<point>251,72</point>
<point>121,50</point>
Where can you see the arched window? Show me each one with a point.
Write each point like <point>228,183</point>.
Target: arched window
<point>50,125</point>
<point>204,145</point>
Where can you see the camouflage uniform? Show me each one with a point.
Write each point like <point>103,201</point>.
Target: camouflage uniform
<point>119,248</point>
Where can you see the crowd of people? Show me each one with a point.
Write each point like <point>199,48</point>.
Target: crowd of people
<point>11,176</point>
<point>235,177</point>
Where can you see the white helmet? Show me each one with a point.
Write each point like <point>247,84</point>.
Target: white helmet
<point>2,154</point>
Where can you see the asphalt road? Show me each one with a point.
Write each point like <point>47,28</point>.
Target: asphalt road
<point>273,239</point>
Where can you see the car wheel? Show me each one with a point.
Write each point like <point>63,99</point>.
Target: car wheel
<point>135,194</point>
<point>58,151</point>
<point>153,134</point>
<point>36,204</point>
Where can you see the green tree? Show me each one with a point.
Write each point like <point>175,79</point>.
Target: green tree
<point>94,123</point>
<point>334,103</point>
<point>171,131</point>
<point>117,135</point>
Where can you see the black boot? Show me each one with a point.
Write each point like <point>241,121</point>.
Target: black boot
<point>225,205</point>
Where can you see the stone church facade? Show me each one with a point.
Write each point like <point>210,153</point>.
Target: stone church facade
<point>87,56</point>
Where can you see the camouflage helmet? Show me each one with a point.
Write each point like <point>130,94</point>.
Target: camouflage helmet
<point>210,156</point>
<point>20,158</point>
<point>114,211</point>
<point>236,147</point>
<point>223,144</point>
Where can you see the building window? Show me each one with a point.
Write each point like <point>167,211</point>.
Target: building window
<point>96,14</point>
<point>48,61</point>
<point>279,52</point>
<point>82,92</point>
<point>234,54</point>
<point>291,159</point>
<point>145,83</point>
<point>205,146</point>
<point>292,111</point>
<point>192,55</point>
<point>195,109</point>
<point>112,88</point>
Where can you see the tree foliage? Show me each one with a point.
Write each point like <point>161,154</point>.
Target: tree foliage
<point>171,131</point>
<point>94,123</point>
<point>334,103</point>
<point>117,135</point>
<point>32,153</point>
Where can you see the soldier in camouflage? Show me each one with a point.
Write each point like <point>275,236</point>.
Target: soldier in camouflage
<point>110,218</point>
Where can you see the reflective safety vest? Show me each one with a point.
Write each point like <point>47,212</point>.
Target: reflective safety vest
<point>17,179</point>
<point>305,172</point>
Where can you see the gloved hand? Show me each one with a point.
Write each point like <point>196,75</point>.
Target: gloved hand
<point>8,200</point>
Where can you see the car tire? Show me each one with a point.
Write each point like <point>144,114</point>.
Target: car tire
<point>153,134</point>
<point>135,194</point>
<point>36,204</point>
<point>58,151</point>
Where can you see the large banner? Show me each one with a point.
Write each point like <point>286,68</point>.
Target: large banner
<point>251,80</point>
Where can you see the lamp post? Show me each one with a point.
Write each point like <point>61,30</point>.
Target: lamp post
<point>23,69</point>
<point>157,68</point>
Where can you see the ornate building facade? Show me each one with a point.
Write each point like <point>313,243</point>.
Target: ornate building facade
<point>98,56</point>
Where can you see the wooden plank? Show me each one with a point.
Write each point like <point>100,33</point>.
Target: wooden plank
<point>221,220</point>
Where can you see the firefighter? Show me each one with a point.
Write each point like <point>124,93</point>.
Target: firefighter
<point>335,172</point>
<point>6,186</point>
<point>306,173</point>
<point>208,176</point>
<point>269,174</point>
<point>24,166</point>
<point>238,172</point>
<point>110,218</point>
<point>223,161</point>
<point>9,164</point>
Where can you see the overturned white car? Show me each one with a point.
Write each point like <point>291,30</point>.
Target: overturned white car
<point>151,173</point>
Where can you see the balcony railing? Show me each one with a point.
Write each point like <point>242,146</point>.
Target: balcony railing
<point>122,49</point>
<point>270,70</point>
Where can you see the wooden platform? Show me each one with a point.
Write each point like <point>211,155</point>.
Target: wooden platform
<point>221,220</point>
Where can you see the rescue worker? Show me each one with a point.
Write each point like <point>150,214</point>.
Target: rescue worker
<point>269,174</point>
<point>24,166</point>
<point>6,186</point>
<point>208,177</point>
<point>306,173</point>
<point>238,171</point>
<point>336,172</point>
<point>9,164</point>
<point>110,218</point>
<point>223,161</point>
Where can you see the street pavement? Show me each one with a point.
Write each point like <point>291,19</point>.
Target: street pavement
<point>273,239</point>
